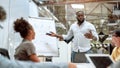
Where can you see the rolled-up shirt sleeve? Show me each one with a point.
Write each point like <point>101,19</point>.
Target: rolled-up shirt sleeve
<point>94,32</point>
<point>69,34</point>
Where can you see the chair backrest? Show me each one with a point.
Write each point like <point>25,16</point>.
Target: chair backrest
<point>4,52</point>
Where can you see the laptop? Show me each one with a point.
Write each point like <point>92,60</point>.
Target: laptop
<point>99,60</point>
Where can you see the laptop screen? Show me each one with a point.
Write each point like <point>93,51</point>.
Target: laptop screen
<point>100,60</point>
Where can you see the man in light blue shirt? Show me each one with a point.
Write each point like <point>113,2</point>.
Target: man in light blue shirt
<point>83,32</point>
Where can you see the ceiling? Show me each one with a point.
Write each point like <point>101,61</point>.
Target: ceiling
<point>63,12</point>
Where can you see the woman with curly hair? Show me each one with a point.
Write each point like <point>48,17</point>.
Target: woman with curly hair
<point>26,50</point>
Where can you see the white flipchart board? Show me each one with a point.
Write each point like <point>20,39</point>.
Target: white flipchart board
<point>45,45</point>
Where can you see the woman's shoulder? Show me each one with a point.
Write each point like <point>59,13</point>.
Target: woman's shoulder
<point>27,43</point>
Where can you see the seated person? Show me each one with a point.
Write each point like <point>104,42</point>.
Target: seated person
<point>26,50</point>
<point>116,42</point>
<point>3,51</point>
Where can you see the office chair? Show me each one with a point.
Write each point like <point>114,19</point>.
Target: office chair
<point>4,52</point>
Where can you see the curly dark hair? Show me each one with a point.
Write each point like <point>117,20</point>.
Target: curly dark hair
<point>2,14</point>
<point>22,26</point>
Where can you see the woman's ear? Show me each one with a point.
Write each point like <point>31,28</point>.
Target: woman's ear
<point>30,31</point>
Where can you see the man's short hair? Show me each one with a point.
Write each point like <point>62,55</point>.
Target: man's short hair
<point>82,12</point>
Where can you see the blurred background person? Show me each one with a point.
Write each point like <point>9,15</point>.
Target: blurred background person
<point>116,42</point>
<point>2,14</point>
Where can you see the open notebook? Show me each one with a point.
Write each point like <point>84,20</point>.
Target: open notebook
<point>99,60</point>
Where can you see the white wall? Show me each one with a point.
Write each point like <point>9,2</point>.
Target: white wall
<point>18,9</point>
<point>33,10</point>
<point>64,52</point>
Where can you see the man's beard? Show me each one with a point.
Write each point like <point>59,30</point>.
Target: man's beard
<point>79,21</point>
